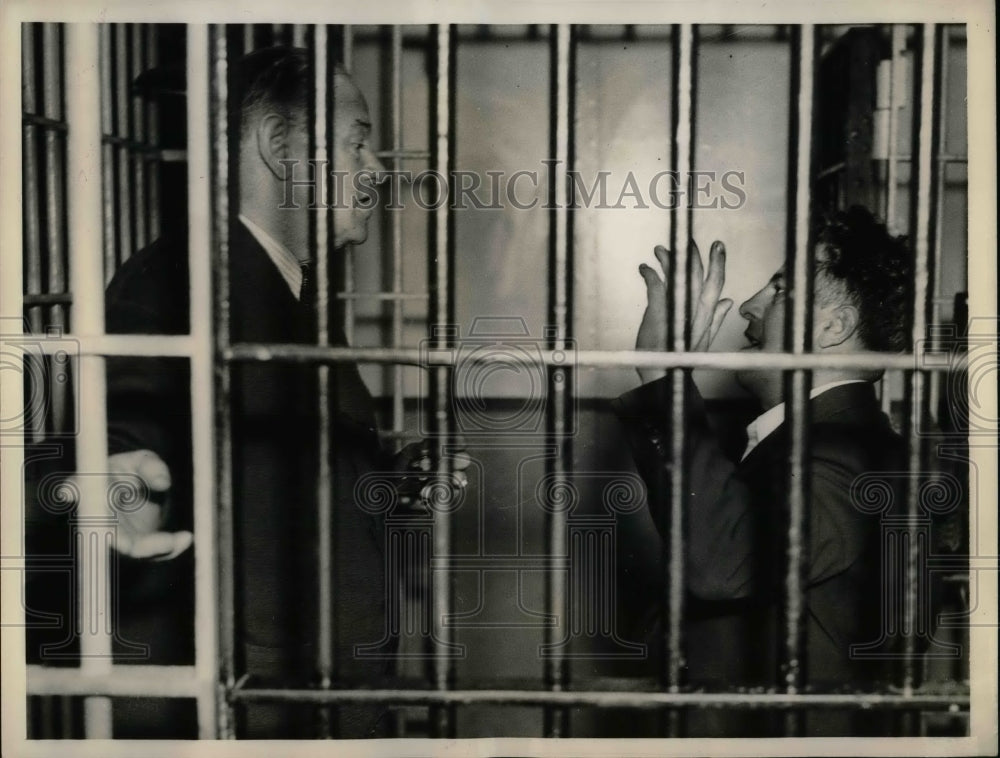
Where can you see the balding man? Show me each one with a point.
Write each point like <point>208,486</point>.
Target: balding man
<point>274,405</point>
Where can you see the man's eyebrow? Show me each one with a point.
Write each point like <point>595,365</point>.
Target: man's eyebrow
<point>363,124</point>
<point>778,278</point>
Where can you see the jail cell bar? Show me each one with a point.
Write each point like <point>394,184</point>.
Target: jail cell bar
<point>97,678</point>
<point>44,125</point>
<point>943,159</point>
<point>798,362</point>
<point>214,679</point>
<point>682,161</point>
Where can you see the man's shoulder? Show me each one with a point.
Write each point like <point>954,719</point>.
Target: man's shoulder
<point>862,440</point>
<point>149,291</point>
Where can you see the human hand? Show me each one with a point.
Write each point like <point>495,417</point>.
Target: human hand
<point>139,534</point>
<point>416,461</point>
<point>707,310</point>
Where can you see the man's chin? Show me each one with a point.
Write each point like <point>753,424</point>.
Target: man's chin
<point>354,237</point>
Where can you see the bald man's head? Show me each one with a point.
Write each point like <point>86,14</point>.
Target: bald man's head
<point>277,162</point>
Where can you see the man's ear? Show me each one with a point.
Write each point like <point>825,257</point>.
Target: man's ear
<point>837,325</point>
<point>273,134</point>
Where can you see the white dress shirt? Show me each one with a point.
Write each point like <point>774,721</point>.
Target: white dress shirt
<point>771,419</point>
<point>287,264</point>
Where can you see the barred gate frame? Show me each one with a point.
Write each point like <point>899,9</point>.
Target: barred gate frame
<point>213,680</point>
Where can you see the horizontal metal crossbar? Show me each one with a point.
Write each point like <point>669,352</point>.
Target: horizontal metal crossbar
<point>166,346</point>
<point>752,700</point>
<point>122,681</point>
<point>593,358</point>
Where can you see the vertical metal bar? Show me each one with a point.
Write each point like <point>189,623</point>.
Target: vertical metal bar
<point>124,189</point>
<point>924,263</point>
<point>16,710</point>
<point>298,35</point>
<point>32,218</point>
<point>799,267</point>
<point>349,250</point>
<point>55,198</point>
<point>95,522</point>
<point>442,307</point>
<point>324,147</point>
<point>199,146</point>
<point>396,226</point>
<point>939,189</point>
<point>107,156</point>
<point>220,189</point>
<point>897,90</point>
<point>137,138</point>
<point>153,135</point>
<point>248,40</point>
<point>559,389</point>
<point>682,159</point>
<point>348,48</point>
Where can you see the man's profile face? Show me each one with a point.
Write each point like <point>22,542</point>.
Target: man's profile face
<point>765,315</point>
<point>765,332</point>
<point>352,155</point>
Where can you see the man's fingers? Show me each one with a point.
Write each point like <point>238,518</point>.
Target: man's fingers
<point>458,481</point>
<point>663,256</point>
<point>721,311</point>
<point>695,267</point>
<point>653,282</point>
<point>161,546</point>
<point>461,461</point>
<point>145,464</point>
<point>715,280</point>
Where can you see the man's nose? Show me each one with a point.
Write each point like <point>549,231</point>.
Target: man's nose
<point>375,165</point>
<point>751,309</point>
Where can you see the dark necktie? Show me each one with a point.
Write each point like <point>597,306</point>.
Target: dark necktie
<point>307,292</point>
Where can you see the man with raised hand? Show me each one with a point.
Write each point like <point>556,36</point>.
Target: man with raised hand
<point>735,511</point>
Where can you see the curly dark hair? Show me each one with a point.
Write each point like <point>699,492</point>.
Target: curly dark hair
<point>862,262</point>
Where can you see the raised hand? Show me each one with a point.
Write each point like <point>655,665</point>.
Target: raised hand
<point>707,309</point>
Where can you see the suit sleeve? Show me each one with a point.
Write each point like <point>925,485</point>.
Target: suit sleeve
<point>733,539</point>
<point>148,398</point>
<point>718,529</point>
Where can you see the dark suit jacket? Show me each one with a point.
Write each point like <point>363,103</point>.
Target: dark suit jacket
<point>736,522</point>
<point>275,463</point>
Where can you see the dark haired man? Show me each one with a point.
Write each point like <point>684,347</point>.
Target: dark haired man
<point>735,510</point>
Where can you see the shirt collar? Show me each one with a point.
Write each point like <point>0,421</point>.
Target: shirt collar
<point>771,419</point>
<point>287,264</point>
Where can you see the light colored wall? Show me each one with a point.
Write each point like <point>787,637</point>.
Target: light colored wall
<point>622,125</point>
